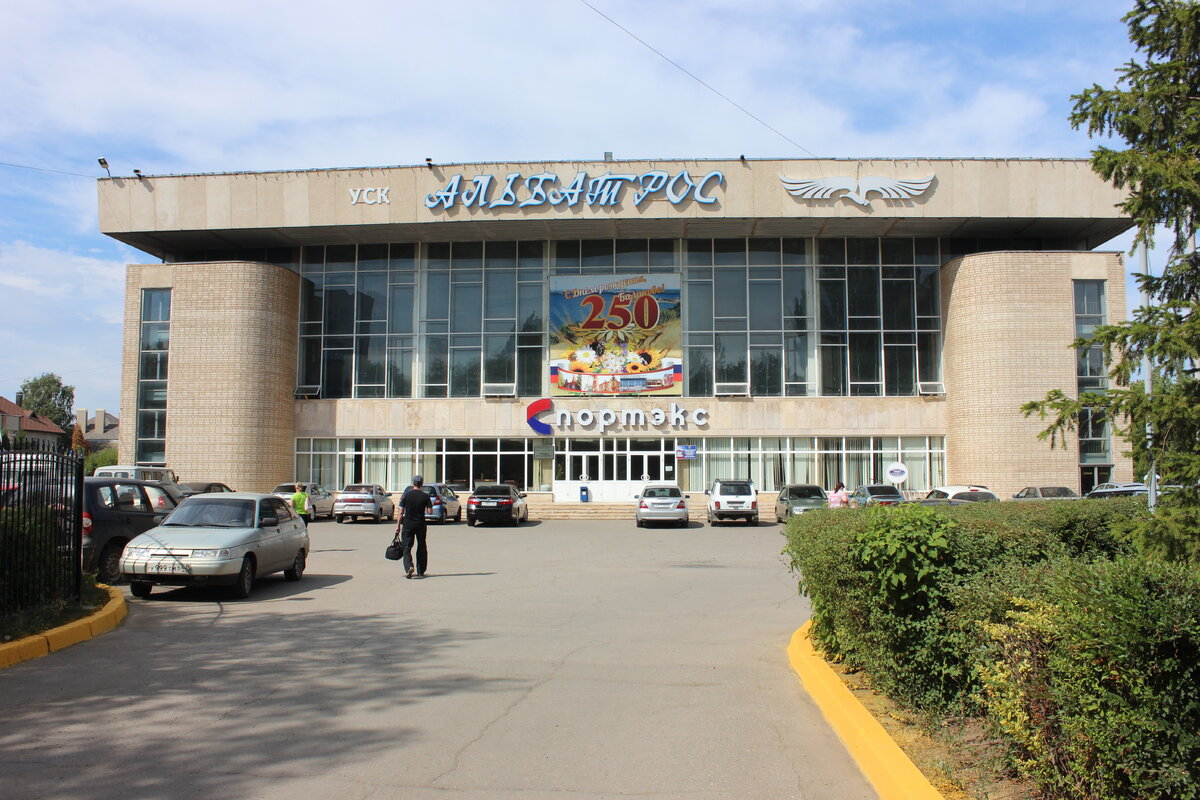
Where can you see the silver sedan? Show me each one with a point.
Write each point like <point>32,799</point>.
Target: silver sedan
<point>228,539</point>
<point>661,502</point>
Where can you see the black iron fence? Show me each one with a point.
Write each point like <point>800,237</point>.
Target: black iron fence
<point>41,526</point>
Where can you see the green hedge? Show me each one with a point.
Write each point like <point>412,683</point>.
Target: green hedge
<point>899,591</point>
<point>1096,682</point>
<point>1079,647</point>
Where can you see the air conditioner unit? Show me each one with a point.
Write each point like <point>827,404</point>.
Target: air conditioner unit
<point>499,390</point>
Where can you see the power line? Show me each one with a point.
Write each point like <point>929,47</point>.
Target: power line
<point>659,53</point>
<point>43,169</point>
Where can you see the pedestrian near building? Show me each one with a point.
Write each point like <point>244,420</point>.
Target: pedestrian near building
<point>300,502</point>
<point>412,527</point>
<point>838,497</point>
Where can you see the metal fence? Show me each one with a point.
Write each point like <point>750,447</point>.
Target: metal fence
<point>41,526</point>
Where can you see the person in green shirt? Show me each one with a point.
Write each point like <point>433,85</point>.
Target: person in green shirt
<point>300,503</point>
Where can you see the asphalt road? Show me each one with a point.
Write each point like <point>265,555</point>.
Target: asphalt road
<point>557,660</point>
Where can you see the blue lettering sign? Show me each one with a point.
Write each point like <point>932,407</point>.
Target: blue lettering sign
<point>603,191</point>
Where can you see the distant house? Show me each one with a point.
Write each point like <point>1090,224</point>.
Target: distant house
<point>100,431</point>
<point>15,421</point>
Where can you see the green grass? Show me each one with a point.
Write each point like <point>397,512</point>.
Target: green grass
<point>31,621</point>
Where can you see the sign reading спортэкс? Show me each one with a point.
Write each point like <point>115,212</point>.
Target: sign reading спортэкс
<point>545,188</point>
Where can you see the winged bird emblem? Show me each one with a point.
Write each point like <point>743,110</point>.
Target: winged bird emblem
<point>856,189</point>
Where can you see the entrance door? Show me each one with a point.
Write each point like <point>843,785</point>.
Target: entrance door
<point>645,467</point>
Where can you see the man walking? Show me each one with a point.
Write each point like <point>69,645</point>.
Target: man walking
<point>412,527</point>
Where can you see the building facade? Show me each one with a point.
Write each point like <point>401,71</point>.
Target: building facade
<point>598,324</point>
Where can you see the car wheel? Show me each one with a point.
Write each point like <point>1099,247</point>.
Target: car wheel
<point>458,515</point>
<point>392,515</point>
<point>375,519</point>
<point>639,522</point>
<point>108,568</point>
<point>297,570</point>
<point>140,589</point>
<point>339,519</point>
<point>245,580</point>
<point>310,517</point>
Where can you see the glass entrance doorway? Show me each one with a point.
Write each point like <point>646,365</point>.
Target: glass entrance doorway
<point>612,469</point>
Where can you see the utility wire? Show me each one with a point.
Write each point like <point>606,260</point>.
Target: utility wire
<point>43,169</point>
<point>659,53</point>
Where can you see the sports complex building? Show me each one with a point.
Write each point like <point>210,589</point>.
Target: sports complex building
<point>598,324</point>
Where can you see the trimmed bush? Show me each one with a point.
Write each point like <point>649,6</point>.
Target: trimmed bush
<point>899,592</point>
<point>1096,681</point>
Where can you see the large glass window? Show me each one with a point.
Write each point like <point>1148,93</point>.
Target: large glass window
<point>155,338</point>
<point>770,316</point>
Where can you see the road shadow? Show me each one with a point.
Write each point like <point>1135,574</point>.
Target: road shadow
<point>271,587</point>
<point>192,705</point>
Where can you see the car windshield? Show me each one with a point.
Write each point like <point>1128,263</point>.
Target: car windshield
<point>284,488</point>
<point>491,491</point>
<point>975,497</point>
<point>883,491</point>
<point>662,491</point>
<point>735,488</point>
<point>807,493</point>
<point>1057,491</point>
<point>213,513</point>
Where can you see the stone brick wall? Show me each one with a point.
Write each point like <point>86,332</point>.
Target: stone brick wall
<point>1009,321</point>
<point>232,370</point>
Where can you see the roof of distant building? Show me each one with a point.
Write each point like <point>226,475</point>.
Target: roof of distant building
<point>30,421</point>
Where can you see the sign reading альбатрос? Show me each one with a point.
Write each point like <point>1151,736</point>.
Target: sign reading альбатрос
<point>615,335</point>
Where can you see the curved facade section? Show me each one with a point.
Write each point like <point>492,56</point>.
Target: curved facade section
<point>229,389</point>
<point>1007,318</point>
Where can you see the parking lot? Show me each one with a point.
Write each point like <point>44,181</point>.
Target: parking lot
<point>557,659</point>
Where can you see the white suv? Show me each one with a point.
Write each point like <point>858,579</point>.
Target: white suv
<point>732,499</point>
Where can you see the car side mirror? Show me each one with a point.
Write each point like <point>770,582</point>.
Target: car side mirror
<point>522,494</point>
<point>158,518</point>
<point>706,491</point>
<point>269,522</point>
<point>1017,494</point>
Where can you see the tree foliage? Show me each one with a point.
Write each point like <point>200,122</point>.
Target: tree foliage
<point>46,395</point>
<point>1155,108</point>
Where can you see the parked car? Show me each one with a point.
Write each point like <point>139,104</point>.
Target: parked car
<point>320,502</point>
<point>200,487</point>
<point>732,499</point>
<point>798,498</point>
<point>1118,490</point>
<point>1046,493</point>
<point>962,494</point>
<point>363,500</point>
<point>161,475</point>
<point>497,502</point>
<point>230,539</point>
<point>661,501</point>
<point>876,494</point>
<point>116,510</point>
<point>446,504</point>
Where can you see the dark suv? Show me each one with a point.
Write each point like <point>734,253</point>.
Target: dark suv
<point>114,511</point>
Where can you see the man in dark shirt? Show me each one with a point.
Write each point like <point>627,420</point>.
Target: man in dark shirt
<point>412,527</point>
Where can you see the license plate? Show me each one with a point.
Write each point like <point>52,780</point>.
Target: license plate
<point>736,505</point>
<point>168,568</point>
<point>488,503</point>
<point>663,505</point>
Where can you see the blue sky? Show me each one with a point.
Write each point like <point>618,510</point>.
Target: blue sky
<point>218,86</point>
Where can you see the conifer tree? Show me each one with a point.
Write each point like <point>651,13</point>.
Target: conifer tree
<point>1155,108</point>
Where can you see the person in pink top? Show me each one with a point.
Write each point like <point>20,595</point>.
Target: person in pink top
<point>838,497</point>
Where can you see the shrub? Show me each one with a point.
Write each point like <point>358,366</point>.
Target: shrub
<point>1096,681</point>
<point>100,458</point>
<point>900,592</point>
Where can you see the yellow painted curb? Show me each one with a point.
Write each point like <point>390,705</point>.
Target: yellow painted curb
<point>881,760</point>
<point>80,630</point>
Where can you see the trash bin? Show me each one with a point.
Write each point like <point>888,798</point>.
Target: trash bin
<point>585,496</point>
